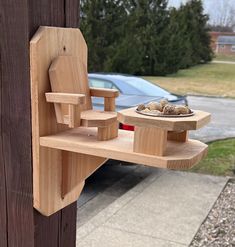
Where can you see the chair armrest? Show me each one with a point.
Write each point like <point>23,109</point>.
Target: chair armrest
<point>104,92</point>
<point>74,111</point>
<point>109,96</point>
<point>65,98</point>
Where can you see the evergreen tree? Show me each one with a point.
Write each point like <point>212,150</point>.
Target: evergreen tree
<point>183,20</point>
<point>102,23</point>
<point>144,37</point>
<point>194,32</point>
<point>175,43</point>
<point>202,49</point>
<point>144,40</point>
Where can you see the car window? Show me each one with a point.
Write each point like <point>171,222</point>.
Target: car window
<point>101,83</point>
<point>146,87</point>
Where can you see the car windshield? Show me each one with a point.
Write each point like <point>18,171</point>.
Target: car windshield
<point>147,88</point>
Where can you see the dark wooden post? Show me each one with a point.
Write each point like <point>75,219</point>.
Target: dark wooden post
<point>20,224</point>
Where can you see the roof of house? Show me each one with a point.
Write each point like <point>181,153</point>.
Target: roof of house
<point>226,40</point>
<point>222,33</point>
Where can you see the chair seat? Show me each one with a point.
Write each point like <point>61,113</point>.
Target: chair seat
<point>95,118</point>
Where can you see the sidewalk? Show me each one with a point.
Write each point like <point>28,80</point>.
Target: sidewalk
<point>223,62</point>
<point>165,209</point>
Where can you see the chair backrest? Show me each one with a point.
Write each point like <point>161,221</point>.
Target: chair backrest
<point>68,74</point>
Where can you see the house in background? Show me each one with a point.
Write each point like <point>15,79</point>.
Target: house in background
<point>215,35</point>
<point>225,45</point>
<point>223,49</point>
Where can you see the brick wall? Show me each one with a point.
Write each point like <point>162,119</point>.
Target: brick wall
<point>225,49</point>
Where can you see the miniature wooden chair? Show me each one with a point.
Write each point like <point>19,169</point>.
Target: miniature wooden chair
<point>71,96</point>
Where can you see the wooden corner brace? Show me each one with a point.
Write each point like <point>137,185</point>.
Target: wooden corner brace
<point>76,168</point>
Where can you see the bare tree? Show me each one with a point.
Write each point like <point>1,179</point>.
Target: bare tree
<point>222,13</point>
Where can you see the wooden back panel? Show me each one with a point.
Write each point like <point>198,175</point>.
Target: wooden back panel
<point>68,74</point>
<point>46,45</point>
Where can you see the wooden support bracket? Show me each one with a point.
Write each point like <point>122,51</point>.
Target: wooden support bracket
<point>76,168</point>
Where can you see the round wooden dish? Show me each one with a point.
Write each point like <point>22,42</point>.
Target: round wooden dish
<point>161,115</point>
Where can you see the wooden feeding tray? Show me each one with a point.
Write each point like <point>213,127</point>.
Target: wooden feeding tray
<point>71,140</point>
<point>152,134</point>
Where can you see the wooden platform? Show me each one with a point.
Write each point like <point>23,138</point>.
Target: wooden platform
<point>83,140</point>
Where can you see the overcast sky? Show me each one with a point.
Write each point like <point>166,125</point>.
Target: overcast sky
<point>215,8</point>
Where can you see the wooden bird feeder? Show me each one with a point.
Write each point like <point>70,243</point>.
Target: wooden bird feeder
<point>71,140</point>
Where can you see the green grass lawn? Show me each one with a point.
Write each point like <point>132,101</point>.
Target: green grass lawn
<point>229,58</point>
<point>220,160</point>
<point>207,79</point>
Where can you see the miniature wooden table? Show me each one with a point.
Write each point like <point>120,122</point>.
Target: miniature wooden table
<point>152,133</point>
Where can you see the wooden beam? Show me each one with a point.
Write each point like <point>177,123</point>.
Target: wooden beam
<point>15,103</point>
<point>21,225</point>
<point>3,220</point>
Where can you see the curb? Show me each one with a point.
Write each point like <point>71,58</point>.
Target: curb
<point>209,96</point>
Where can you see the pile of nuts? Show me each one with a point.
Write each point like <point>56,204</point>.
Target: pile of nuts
<point>163,108</point>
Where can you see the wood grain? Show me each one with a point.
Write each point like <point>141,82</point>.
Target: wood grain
<point>65,98</point>
<point>15,126</point>
<point>72,9</point>
<point>3,190</point>
<point>104,92</point>
<point>21,225</point>
<point>68,75</point>
<point>61,227</point>
<point>46,189</point>
<point>150,140</point>
<point>51,195</point>
<point>179,136</point>
<point>109,104</point>
<point>131,117</point>
<point>108,132</point>
<point>83,140</point>
<point>3,199</point>
<point>81,167</point>
<point>74,116</point>
<point>97,118</point>
<point>90,118</point>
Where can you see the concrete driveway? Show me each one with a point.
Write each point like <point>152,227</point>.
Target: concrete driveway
<point>164,210</point>
<point>223,118</point>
